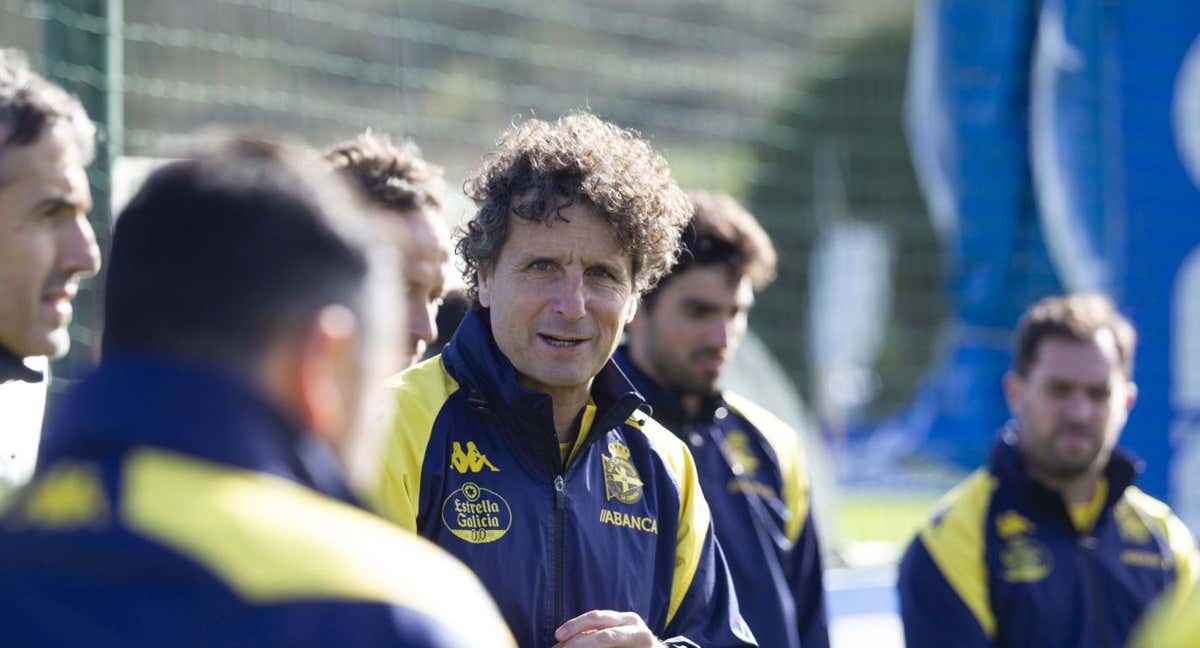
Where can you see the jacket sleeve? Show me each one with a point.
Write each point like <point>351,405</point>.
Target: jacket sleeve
<point>943,579</point>
<point>420,392</point>
<point>933,613</point>
<point>802,564</point>
<point>806,583</point>
<point>703,608</point>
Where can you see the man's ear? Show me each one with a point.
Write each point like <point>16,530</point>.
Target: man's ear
<point>1130,396</point>
<point>326,355</point>
<point>484,276</point>
<point>633,310</point>
<point>1014,391</point>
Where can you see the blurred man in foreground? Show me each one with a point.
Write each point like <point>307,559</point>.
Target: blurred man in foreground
<point>519,449</point>
<point>411,192</point>
<point>46,246</point>
<point>192,493</point>
<point>1050,544</point>
<point>751,464</point>
<point>1173,622</point>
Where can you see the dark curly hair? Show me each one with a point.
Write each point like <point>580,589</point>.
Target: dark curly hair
<point>539,168</point>
<point>723,232</point>
<point>391,175</point>
<point>30,104</point>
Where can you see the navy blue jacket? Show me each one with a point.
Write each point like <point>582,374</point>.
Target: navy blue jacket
<point>474,465</point>
<point>175,508</point>
<point>751,468</point>
<point>1002,564</point>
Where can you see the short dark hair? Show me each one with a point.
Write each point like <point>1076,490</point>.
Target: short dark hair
<point>391,175</point>
<point>539,168</point>
<point>30,104</point>
<point>1073,317</point>
<point>721,231</point>
<point>223,251</point>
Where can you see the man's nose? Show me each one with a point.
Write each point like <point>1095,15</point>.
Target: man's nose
<point>720,332</point>
<point>422,321</point>
<point>79,255</point>
<point>1079,407</point>
<point>570,300</point>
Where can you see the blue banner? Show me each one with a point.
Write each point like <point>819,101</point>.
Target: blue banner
<point>1058,144</point>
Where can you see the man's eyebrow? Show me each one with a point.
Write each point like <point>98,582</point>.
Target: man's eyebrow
<point>56,202</point>
<point>700,302</point>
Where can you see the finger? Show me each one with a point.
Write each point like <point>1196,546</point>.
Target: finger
<point>627,636</point>
<point>594,620</point>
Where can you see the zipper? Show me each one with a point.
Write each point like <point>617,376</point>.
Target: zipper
<point>1088,545</point>
<point>559,504</point>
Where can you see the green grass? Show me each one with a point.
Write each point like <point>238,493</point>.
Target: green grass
<point>881,517</point>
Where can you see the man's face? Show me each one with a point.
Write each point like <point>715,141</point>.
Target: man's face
<point>559,295</point>
<point>686,338</point>
<point>426,253</point>
<point>46,242</point>
<point>1072,405</point>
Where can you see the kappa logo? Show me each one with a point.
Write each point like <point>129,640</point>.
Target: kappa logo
<point>470,461</point>
<point>621,480</point>
<point>1011,523</point>
<point>71,496</point>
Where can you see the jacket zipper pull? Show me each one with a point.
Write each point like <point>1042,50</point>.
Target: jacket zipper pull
<point>559,489</point>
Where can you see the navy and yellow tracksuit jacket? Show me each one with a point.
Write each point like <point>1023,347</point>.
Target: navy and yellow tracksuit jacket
<point>751,468</point>
<point>1004,564</point>
<point>474,465</point>
<point>175,508</point>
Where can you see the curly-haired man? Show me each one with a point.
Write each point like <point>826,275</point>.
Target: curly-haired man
<point>395,178</point>
<point>520,448</point>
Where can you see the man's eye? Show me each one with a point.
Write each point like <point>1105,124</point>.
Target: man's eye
<point>1099,394</point>
<point>1058,390</point>
<point>603,273</point>
<point>541,266</point>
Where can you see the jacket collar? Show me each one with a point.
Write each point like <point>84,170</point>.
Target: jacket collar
<point>476,362</point>
<point>12,367</point>
<point>1006,462</point>
<point>666,406</point>
<point>193,409</point>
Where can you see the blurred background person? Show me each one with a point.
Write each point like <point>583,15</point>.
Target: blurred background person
<point>519,449</point>
<point>751,464</point>
<point>1051,544</point>
<point>46,247</point>
<point>411,191</point>
<point>193,491</point>
<point>454,308</point>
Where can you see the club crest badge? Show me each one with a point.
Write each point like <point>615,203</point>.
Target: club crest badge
<point>1025,560</point>
<point>742,459</point>
<point>621,480</point>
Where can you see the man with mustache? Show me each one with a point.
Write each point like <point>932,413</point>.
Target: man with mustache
<point>520,449</point>
<point>46,246</point>
<point>751,464</point>
<point>1050,544</point>
<point>410,192</point>
<point>197,488</point>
